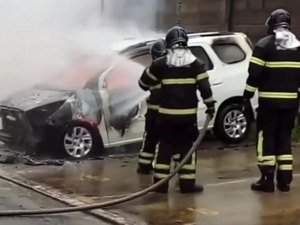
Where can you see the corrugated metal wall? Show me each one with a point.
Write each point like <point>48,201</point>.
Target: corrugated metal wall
<point>134,13</point>
<point>247,16</point>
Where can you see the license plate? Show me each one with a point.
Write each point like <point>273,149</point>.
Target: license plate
<point>1,123</point>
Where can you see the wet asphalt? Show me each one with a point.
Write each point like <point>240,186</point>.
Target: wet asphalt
<point>226,174</point>
<point>13,197</point>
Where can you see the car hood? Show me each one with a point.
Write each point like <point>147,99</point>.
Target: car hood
<point>34,98</point>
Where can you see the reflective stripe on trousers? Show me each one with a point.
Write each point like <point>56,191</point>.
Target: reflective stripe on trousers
<point>188,171</point>
<point>145,157</point>
<point>269,160</point>
<point>285,162</point>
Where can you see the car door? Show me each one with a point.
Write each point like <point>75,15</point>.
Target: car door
<point>124,102</point>
<point>202,51</point>
<point>228,74</point>
<point>233,67</point>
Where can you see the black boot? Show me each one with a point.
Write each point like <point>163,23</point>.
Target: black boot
<point>162,189</point>
<point>197,188</point>
<point>283,187</point>
<point>266,182</point>
<point>284,179</point>
<point>144,170</point>
<point>263,185</point>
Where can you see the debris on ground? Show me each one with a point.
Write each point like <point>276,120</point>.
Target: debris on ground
<point>49,162</point>
<point>8,158</point>
<point>11,157</point>
<point>96,158</point>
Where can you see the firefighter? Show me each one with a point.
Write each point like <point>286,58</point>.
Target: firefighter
<point>274,71</point>
<point>180,74</point>
<point>146,155</point>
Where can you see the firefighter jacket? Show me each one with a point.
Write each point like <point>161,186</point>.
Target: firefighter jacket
<point>178,99</point>
<point>153,99</point>
<point>275,72</point>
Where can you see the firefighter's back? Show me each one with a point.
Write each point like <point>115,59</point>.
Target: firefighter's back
<point>279,82</point>
<point>178,99</point>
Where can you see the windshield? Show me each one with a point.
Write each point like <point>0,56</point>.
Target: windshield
<point>80,73</point>
<point>84,72</point>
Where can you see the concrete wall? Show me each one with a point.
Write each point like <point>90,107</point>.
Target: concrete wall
<point>247,16</point>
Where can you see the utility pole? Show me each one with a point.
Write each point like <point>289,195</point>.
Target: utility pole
<point>102,16</point>
<point>227,15</point>
<point>102,6</point>
<point>178,11</point>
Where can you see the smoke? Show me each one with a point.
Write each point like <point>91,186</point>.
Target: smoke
<point>40,39</point>
<point>139,13</point>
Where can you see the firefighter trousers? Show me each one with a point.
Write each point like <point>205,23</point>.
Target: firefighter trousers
<point>274,150</point>
<point>176,139</point>
<point>150,144</point>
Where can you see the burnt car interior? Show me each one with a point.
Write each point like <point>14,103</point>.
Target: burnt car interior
<point>119,84</point>
<point>92,85</point>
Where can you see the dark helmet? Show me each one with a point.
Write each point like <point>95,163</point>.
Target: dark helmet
<point>176,35</point>
<point>279,18</point>
<point>158,49</point>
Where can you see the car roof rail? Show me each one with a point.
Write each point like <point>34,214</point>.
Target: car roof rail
<point>210,34</point>
<point>141,46</point>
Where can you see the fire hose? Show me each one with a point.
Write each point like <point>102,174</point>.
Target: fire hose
<point>115,201</point>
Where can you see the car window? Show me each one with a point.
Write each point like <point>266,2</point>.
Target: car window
<point>123,75</point>
<point>229,52</point>
<point>121,84</point>
<point>200,53</point>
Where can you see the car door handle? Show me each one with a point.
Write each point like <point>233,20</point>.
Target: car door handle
<point>217,82</point>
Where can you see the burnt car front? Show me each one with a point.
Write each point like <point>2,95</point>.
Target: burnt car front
<point>25,118</point>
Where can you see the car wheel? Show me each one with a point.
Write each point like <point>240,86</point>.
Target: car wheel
<point>232,125</point>
<point>79,141</point>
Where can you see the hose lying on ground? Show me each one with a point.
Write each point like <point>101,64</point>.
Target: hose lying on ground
<point>115,201</point>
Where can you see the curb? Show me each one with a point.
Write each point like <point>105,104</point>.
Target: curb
<point>47,191</point>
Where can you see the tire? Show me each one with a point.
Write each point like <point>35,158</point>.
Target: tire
<point>232,125</point>
<point>80,141</point>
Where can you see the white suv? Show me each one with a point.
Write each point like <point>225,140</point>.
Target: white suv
<point>226,56</point>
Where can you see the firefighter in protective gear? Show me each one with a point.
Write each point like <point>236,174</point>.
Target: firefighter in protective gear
<point>146,155</point>
<point>180,74</point>
<point>274,71</point>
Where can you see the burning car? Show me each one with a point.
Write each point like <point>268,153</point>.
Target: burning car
<point>99,105</point>
<point>76,111</point>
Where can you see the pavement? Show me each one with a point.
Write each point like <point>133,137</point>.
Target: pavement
<point>13,197</point>
<point>226,173</point>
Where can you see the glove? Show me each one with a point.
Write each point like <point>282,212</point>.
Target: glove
<point>245,104</point>
<point>210,109</point>
<point>211,112</point>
